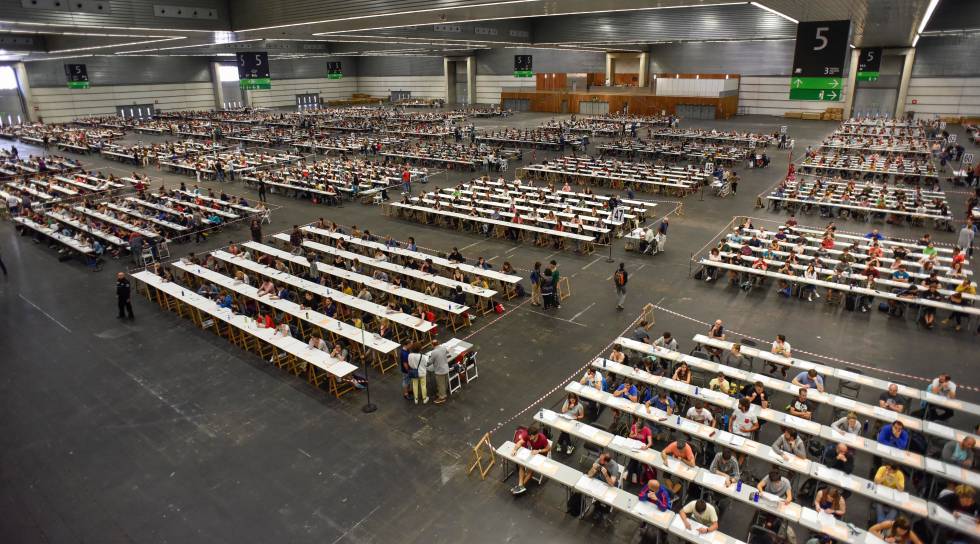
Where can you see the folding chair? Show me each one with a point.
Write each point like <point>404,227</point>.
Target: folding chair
<point>849,389</point>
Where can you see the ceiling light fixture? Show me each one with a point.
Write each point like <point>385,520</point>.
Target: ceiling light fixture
<point>116,45</point>
<point>480,19</point>
<point>781,14</point>
<point>929,10</point>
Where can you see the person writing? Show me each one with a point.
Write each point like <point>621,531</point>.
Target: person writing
<point>701,512</point>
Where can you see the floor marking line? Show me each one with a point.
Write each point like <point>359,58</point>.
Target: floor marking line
<point>46,314</point>
<point>597,259</point>
<point>558,318</point>
<point>356,525</point>
<point>491,322</point>
<point>562,383</point>
<point>574,317</point>
<point>471,245</point>
<point>826,357</point>
<point>515,248</point>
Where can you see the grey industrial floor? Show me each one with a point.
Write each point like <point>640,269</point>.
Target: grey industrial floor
<point>154,431</point>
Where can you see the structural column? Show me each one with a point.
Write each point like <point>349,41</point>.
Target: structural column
<point>851,83</point>
<point>24,89</point>
<point>903,88</point>
<point>471,80</point>
<point>644,69</point>
<point>610,69</point>
<point>449,79</point>
<point>219,94</point>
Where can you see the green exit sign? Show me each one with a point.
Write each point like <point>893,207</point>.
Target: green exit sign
<point>254,84</point>
<point>523,73</point>
<point>830,83</point>
<point>78,85</point>
<point>826,95</point>
<point>335,75</point>
<point>867,76</point>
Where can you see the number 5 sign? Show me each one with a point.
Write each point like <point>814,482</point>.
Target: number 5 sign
<point>821,47</point>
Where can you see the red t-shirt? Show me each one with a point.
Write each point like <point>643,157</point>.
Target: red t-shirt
<point>521,436</point>
<point>538,442</point>
<point>643,435</point>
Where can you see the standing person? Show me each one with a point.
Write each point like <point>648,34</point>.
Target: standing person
<point>620,277</point>
<point>439,359</point>
<point>256,227</point>
<point>261,184</point>
<point>123,296</point>
<point>555,276</point>
<point>965,238</point>
<point>548,294</point>
<point>535,279</point>
<point>407,181</point>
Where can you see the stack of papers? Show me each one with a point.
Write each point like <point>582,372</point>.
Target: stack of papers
<point>629,443</point>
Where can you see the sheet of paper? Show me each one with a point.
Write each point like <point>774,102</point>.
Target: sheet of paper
<point>809,515</point>
<point>844,402</point>
<point>588,431</point>
<point>737,441</point>
<point>549,416</point>
<point>883,449</point>
<point>524,454</point>
<point>713,480</point>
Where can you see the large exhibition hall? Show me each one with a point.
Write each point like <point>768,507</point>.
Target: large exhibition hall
<point>487,271</point>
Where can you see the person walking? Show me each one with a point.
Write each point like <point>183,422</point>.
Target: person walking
<point>620,277</point>
<point>256,227</point>
<point>122,296</point>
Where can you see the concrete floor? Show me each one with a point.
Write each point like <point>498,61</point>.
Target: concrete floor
<point>153,431</point>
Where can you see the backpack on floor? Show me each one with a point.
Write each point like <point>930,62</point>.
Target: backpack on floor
<point>573,507</point>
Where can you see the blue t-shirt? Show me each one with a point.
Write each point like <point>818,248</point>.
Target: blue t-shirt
<point>632,390</point>
<point>804,378</point>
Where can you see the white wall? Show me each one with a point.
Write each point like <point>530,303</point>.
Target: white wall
<point>690,87</point>
<point>945,96</point>
<point>60,104</point>
<point>284,91</point>
<point>769,95</point>
<point>488,87</point>
<point>420,86</point>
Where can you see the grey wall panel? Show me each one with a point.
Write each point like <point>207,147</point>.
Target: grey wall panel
<point>261,13</point>
<point>707,23</point>
<point>123,14</point>
<point>399,66</point>
<point>515,31</point>
<point>123,71</point>
<point>309,68</point>
<point>501,61</point>
<point>754,58</point>
<point>947,56</point>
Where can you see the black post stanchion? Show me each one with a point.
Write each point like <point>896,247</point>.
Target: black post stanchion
<point>369,407</point>
<point>609,259</point>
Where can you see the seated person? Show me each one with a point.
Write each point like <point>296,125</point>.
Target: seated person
<point>809,379</point>
<point>790,443</point>
<point>829,500</point>
<point>895,531</point>
<point>607,471</point>
<point>725,464</point>
<point>891,400</point>
<point>848,424</point>
<point>701,512</point>
<point>888,475</point>
<point>776,484</point>
<point>538,443</point>
<point>654,493</point>
<point>895,435</point>
<point>840,457</point>
<point>800,407</point>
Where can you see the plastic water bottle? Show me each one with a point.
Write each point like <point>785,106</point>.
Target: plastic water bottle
<point>865,426</point>
<point>678,420</point>
<point>696,391</point>
<point>755,497</point>
<point>738,486</point>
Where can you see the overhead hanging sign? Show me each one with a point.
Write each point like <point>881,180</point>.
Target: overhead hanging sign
<point>335,70</point>
<point>869,64</point>
<point>253,70</point>
<point>77,76</point>
<point>522,66</point>
<point>818,61</point>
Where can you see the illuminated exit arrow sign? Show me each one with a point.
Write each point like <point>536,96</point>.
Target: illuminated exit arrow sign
<point>815,88</point>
